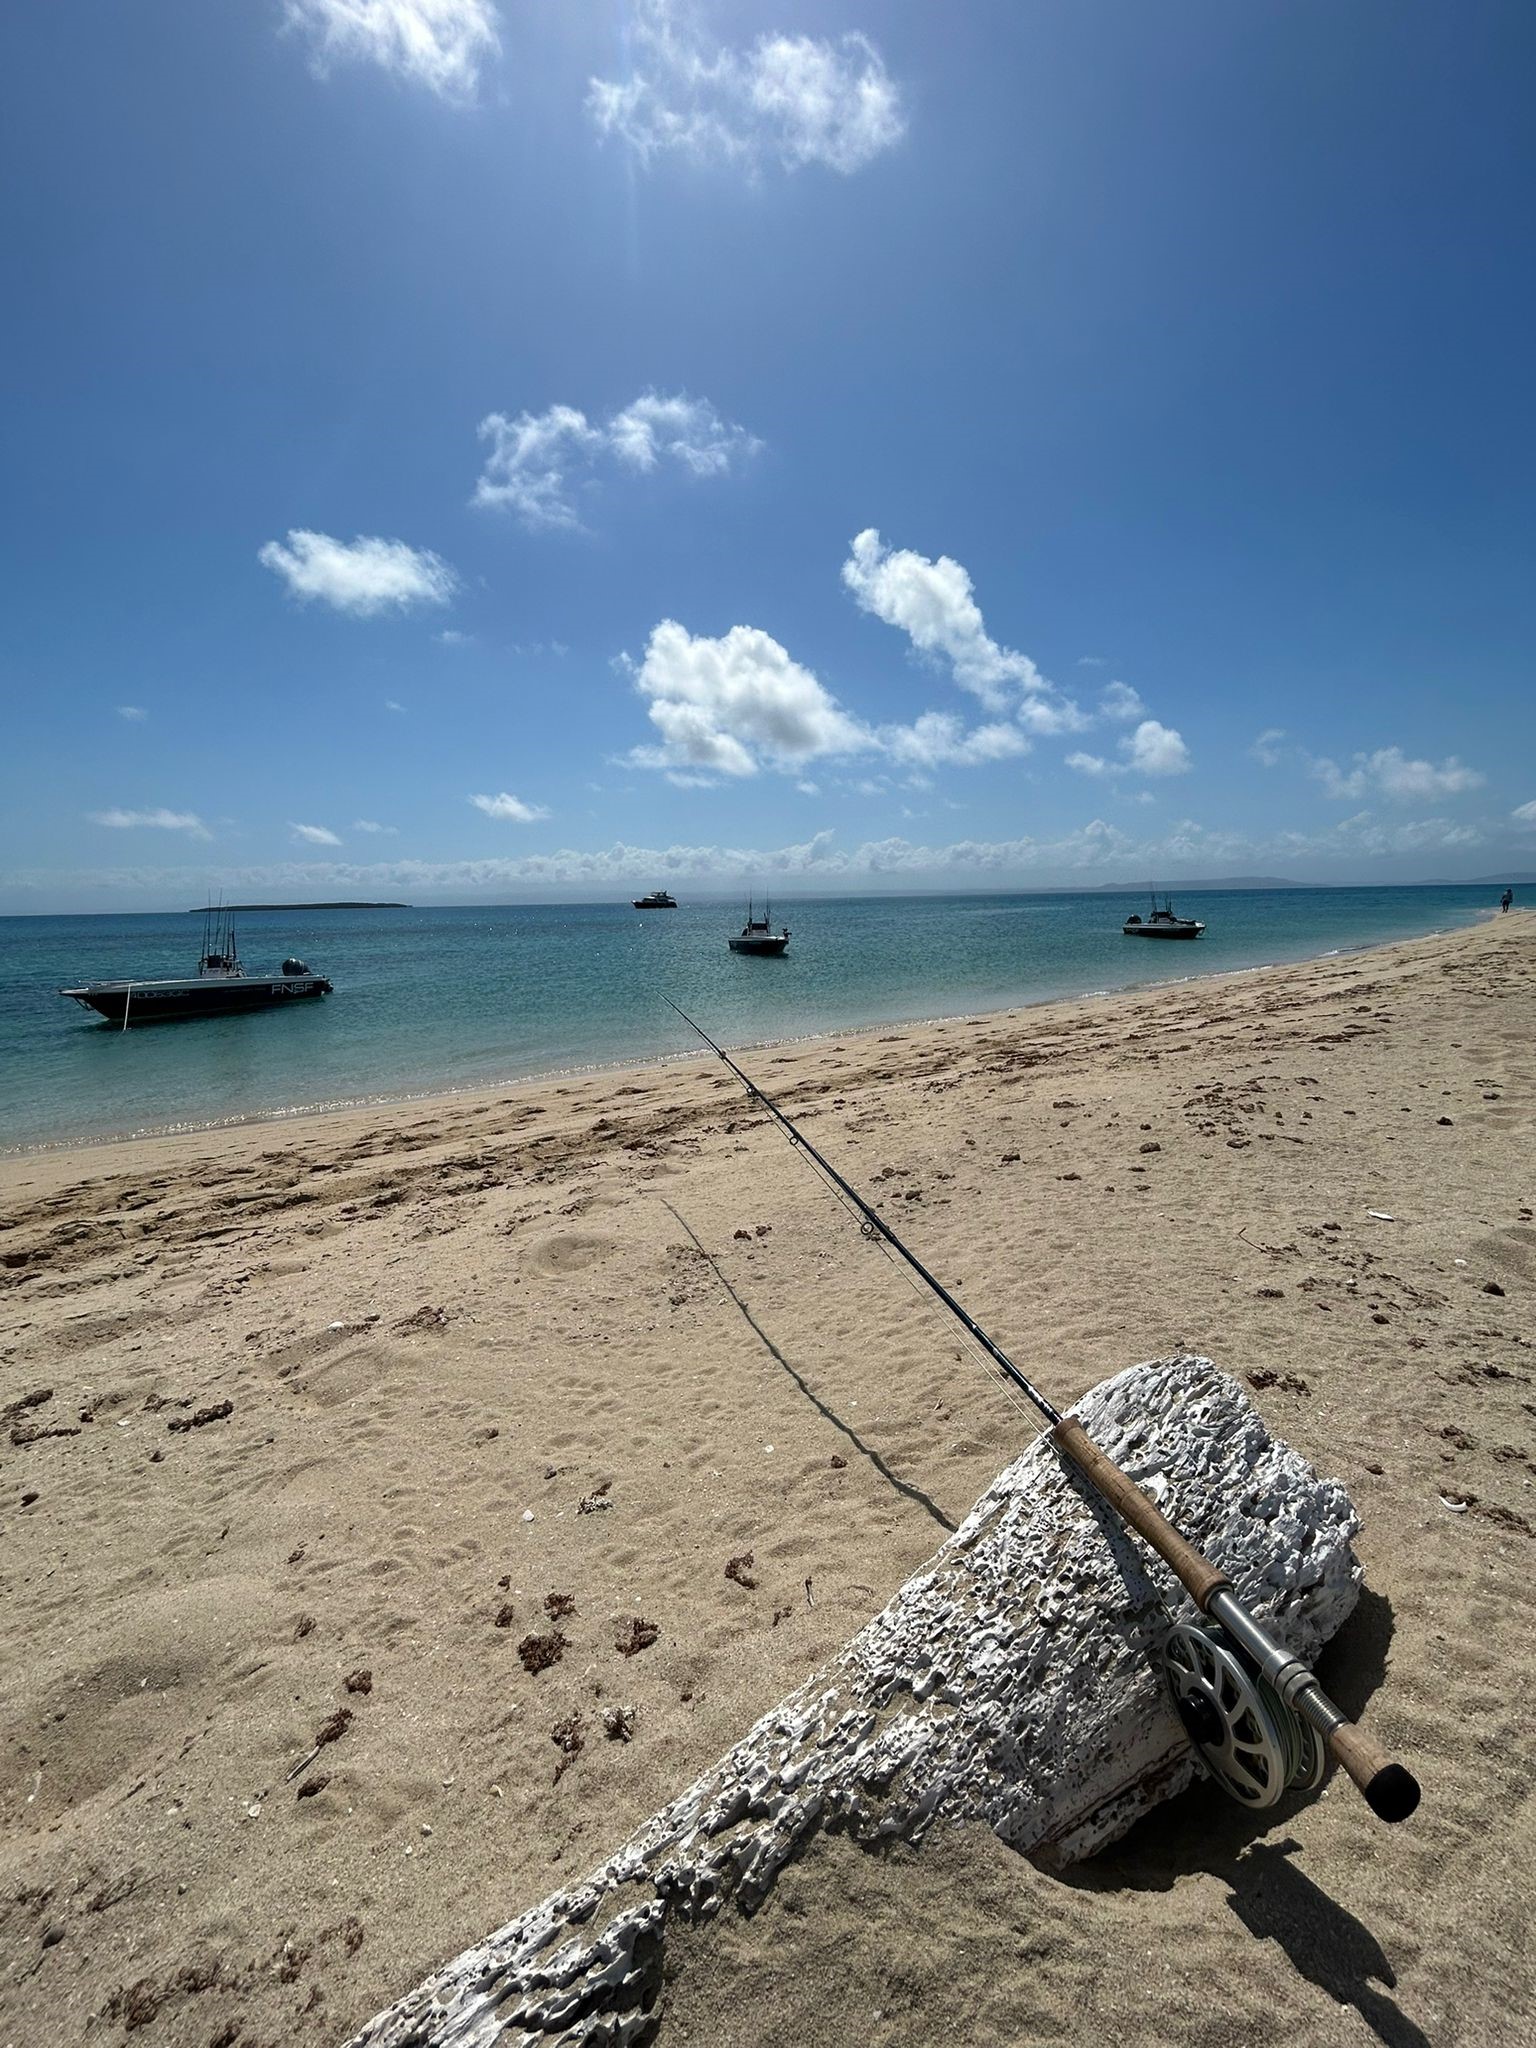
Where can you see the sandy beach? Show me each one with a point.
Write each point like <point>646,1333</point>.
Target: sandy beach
<point>300,1421</point>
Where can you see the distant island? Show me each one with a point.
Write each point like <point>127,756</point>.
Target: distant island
<point>202,908</point>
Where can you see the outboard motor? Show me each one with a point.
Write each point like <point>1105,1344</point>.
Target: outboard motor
<point>291,968</point>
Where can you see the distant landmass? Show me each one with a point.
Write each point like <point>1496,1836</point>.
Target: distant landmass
<point>301,906</point>
<point>1522,880</point>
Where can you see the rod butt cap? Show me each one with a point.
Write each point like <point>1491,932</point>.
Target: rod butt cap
<point>1393,1793</point>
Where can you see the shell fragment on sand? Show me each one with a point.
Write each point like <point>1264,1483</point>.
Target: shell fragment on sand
<point>1015,1679</point>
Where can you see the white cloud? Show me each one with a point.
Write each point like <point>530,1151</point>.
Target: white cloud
<point>452,637</point>
<point>938,738</point>
<point>1266,749</point>
<point>1154,749</point>
<point>162,820</point>
<point>814,789</point>
<point>1091,661</point>
<point>437,43</point>
<point>1525,814</point>
<point>134,713</point>
<point>1120,702</point>
<point>373,825</point>
<point>529,459</point>
<point>1364,833</point>
<point>1095,851</point>
<point>1388,772</point>
<point>314,835</point>
<point>687,429</point>
<point>539,461</point>
<point>391,705</point>
<point>362,576</point>
<point>797,99</point>
<point>932,603</point>
<point>512,807</point>
<point>731,704</point>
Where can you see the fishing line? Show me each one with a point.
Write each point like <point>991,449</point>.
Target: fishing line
<point>1256,1714</point>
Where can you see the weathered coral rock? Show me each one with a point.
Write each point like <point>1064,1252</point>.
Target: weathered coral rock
<point>1015,1680</point>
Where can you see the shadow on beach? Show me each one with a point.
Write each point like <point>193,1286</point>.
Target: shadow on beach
<point>1204,1832</point>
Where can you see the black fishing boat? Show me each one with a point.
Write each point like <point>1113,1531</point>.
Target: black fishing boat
<point>1162,924</point>
<point>219,988</point>
<point>657,900</point>
<point>757,935</point>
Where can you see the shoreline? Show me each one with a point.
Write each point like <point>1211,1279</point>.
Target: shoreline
<point>300,1425</point>
<point>292,1113</point>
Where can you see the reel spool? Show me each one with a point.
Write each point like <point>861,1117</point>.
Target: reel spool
<point>1250,1741</point>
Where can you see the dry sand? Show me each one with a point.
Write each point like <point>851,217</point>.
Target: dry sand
<point>399,1335</point>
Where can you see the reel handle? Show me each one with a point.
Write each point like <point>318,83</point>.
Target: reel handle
<point>1390,1791</point>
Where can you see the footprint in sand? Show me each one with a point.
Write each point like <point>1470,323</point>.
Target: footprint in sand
<point>569,1251</point>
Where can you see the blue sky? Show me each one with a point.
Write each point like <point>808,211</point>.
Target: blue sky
<point>843,445</point>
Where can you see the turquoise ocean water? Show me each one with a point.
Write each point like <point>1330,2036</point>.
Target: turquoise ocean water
<point>432,1000</point>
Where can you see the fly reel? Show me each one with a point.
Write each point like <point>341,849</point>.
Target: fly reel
<point>1250,1741</point>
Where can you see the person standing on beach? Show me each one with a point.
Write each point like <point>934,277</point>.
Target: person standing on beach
<point>1506,899</point>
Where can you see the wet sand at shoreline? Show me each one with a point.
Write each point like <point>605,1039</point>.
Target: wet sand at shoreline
<point>441,1326</point>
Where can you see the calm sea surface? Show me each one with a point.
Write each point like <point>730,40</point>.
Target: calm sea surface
<point>431,1000</point>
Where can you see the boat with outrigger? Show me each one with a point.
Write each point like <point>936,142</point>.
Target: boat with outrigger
<point>1161,923</point>
<point>220,988</point>
<point>758,936</point>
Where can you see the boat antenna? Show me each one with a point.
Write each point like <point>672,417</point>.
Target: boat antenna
<point>1391,1791</point>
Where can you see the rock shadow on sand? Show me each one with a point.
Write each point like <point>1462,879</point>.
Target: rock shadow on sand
<point>1205,1832</point>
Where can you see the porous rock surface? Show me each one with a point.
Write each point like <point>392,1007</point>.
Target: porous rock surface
<point>1015,1679</point>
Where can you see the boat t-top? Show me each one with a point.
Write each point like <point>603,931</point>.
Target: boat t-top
<point>220,987</point>
<point>757,935</point>
<point>1162,924</point>
<point>657,900</point>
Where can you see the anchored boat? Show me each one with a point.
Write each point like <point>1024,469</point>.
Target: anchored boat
<point>757,935</point>
<point>1162,924</point>
<point>657,900</point>
<point>220,986</point>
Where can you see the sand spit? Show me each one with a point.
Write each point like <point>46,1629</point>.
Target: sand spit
<point>397,1508</point>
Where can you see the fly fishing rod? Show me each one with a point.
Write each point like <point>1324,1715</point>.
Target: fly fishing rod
<point>1255,1713</point>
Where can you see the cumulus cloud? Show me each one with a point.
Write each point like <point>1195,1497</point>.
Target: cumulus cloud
<point>440,44</point>
<point>939,739</point>
<point>1152,749</point>
<point>933,604</point>
<point>391,705</point>
<point>314,835</point>
<point>509,807</point>
<point>731,704</point>
<point>1096,850</point>
<point>793,99</point>
<point>1155,749</point>
<point>1390,773</point>
<point>1266,749</point>
<point>1120,702</point>
<point>161,820</point>
<point>363,576</point>
<point>134,713</point>
<point>1365,833</point>
<point>538,462</point>
<point>373,825</point>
